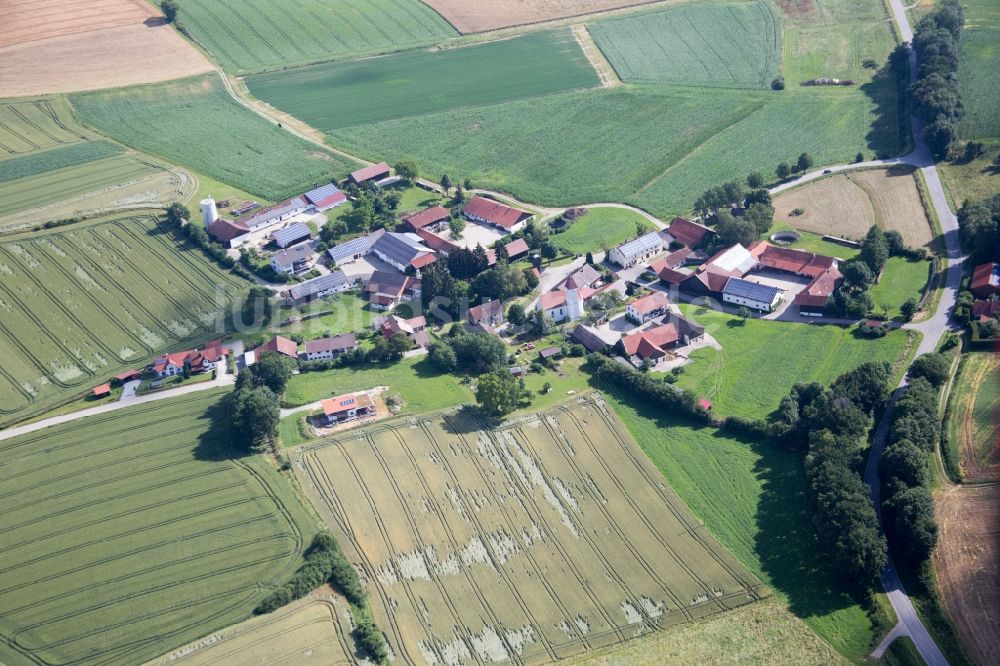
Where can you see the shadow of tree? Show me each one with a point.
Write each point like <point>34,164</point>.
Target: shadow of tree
<point>216,443</point>
<point>889,133</point>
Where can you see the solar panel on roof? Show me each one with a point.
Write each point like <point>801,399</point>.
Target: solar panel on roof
<point>322,192</point>
<point>291,233</point>
<point>753,291</point>
<point>641,244</point>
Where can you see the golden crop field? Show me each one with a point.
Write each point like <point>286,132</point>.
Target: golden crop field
<point>537,540</point>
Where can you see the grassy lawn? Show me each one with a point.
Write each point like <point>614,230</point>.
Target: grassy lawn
<point>414,199</point>
<point>176,381</point>
<point>752,498</point>
<point>903,279</point>
<point>814,243</point>
<point>343,313</point>
<point>761,360</point>
<point>976,179</point>
<point>601,228</point>
<point>423,388</point>
<point>336,95</point>
<point>210,187</point>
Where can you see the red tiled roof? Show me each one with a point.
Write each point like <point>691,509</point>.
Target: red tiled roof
<point>495,212</point>
<point>985,279</point>
<point>382,299</point>
<point>280,345</point>
<point>516,248</point>
<point>553,299</point>
<point>651,342</point>
<point>435,242</point>
<point>687,232</point>
<point>427,217</point>
<point>985,309</point>
<point>423,260</point>
<point>225,230</point>
<point>103,389</point>
<point>672,260</point>
<point>127,375</point>
<point>704,404</point>
<point>650,302</point>
<point>343,403</point>
<point>818,291</point>
<point>790,260</point>
<point>380,170</point>
<point>330,200</point>
<point>670,276</point>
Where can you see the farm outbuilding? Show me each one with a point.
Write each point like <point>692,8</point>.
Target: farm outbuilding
<point>373,173</point>
<point>292,234</point>
<point>487,211</point>
<point>760,297</point>
<point>325,197</point>
<point>638,249</point>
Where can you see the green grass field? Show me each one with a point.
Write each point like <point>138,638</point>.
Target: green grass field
<point>815,243</point>
<point>903,279</point>
<point>196,124</point>
<point>343,313</point>
<point>336,95</point>
<point>979,61</point>
<point>975,180</point>
<point>422,387</point>
<point>761,360</point>
<point>129,534</point>
<point>731,45</point>
<point>837,51</point>
<point>27,125</point>
<point>752,498</point>
<point>601,228</point>
<point>83,303</point>
<point>657,148</point>
<point>260,34</point>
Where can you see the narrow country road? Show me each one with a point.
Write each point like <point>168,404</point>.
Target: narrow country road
<point>223,379</point>
<point>933,329</point>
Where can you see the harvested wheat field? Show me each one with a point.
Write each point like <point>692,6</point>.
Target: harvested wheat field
<point>49,46</point>
<point>974,424</point>
<point>311,632</point>
<point>548,536</point>
<point>967,563</point>
<point>847,205</point>
<point>484,15</point>
<point>29,20</point>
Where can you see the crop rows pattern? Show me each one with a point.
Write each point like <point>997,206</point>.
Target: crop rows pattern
<point>261,34</point>
<point>128,534</point>
<point>83,304</point>
<point>528,543</point>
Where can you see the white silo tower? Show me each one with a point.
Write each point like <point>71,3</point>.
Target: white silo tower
<point>209,213</point>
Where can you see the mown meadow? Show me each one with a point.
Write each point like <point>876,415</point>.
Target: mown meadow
<point>195,123</point>
<point>262,34</point>
<point>128,534</point>
<point>341,94</point>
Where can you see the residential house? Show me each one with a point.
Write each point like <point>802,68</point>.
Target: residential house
<point>985,280</point>
<point>983,311</point>
<point>585,277</point>
<point>305,292</point>
<point>638,249</point>
<point>294,260</point>
<point>687,232</point>
<point>197,361</point>
<point>347,407</point>
<point>373,173</point>
<point>325,197</point>
<point>657,343</point>
<point>673,261</point>
<point>386,290</point>
<point>431,219</point>
<point>415,329</point>
<point>293,234</point>
<point>325,349</point>
<point>488,211</point>
<point>762,297</point>
<point>487,315</point>
<point>278,345</point>
<point>648,307</point>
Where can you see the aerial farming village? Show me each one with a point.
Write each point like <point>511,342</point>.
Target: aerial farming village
<point>481,332</point>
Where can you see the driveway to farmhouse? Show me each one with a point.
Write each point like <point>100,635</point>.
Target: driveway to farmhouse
<point>221,380</point>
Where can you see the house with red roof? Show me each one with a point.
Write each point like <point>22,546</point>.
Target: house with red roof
<point>347,407</point>
<point>279,345</point>
<point>687,232</point>
<point>648,307</point>
<point>496,214</point>
<point>983,311</point>
<point>373,173</point>
<point>985,280</point>
<point>487,315</point>
<point>432,219</point>
<point>196,360</point>
<point>657,344</point>
<point>415,329</point>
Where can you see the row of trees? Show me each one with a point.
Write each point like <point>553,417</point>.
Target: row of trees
<point>325,562</point>
<point>936,96</point>
<point>834,422</point>
<point>979,224</point>
<point>907,504</point>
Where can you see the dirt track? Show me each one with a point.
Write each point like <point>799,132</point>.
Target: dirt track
<point>485,15</point>
<point>967,562</point>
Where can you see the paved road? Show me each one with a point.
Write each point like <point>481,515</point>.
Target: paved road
<point>933,329</point>
<point>222,379</point>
